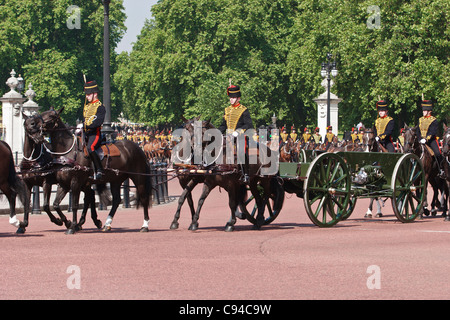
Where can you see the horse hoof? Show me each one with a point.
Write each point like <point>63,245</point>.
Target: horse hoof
<point>58,222</point>
<point>174,226</point>
<point>144,229</point>
<point>70,231</point>
<point>193,227</point>
<point>98,224</point>
<point>106,229</point>
<point>378,215</point>
<point>20,230</point>
<point>256,227</point>
<point>229,228</point>
<point>426,212</point>
<point>78,227</point>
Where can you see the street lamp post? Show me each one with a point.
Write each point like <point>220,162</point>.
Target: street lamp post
<point>328,70</point>
<point>107,130</point>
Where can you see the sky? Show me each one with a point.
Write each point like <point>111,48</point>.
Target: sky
<point>137,12</point>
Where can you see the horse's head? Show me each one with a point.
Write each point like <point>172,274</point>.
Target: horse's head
<point>411,141</point>
<point>368,139</point>
<point>51,119</point>
<point>446,141</point>
<point>33,127</point>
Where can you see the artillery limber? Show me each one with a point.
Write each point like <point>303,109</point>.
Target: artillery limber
<point>332,182</point>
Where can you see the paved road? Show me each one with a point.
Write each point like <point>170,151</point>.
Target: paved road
<point>289,259</point>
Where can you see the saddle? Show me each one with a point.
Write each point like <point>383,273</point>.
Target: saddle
<point>107,149</point>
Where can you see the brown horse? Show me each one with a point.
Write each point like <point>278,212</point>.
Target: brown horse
<point>12,186</point>
<point>75,167</point>
<point>431,169</point>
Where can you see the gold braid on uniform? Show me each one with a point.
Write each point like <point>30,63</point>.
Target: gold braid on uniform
<point>381,124</point>
<point>232,115</point>
<point>90,112</point>
<point>424,124</point>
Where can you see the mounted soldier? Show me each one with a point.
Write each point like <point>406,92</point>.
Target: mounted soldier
<point>427,132</point>
<point>284,135</point>
<point>236,120</point>
<point>93,116</point>
<point>384,127</point>
<point>317,136</point>
<point>329,137</point>
<point>306,135</point>
<point>293,134</point>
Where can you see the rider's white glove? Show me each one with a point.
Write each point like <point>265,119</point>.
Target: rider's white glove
<point>377,138</point>
<point>423,141</point>
<point>235,134</point>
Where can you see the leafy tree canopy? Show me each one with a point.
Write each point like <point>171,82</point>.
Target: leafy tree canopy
<point>185,56</point>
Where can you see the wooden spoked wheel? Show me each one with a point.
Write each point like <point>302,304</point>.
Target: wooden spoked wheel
<point>273,204</point>
<point>327,190</point>
<point>408,188</point>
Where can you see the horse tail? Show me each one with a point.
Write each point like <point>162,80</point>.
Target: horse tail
<point>147,200</point>
<point>104,194</point>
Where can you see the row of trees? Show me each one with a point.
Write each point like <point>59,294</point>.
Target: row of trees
<point>184,57</point>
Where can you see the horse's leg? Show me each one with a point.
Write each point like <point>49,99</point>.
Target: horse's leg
<point>205,192</point>
<point>89,202</point>
<point>75,204</point>
<point>232,203</point>
<point>143,191</point>
<point>425,210</point>
<point>186,193</point>
<point>11,196</point>
<point>47,188</point>
<point>379,213</point>
<point>60,194</point>
<point>115,192</point>
<point>369,210</point>
<point>447,201</point>
<point>260,203</point>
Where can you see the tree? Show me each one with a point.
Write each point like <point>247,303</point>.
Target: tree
<point>184,58</point>
<point>42,44</point>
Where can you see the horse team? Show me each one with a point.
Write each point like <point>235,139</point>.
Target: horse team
<point>63,163</point>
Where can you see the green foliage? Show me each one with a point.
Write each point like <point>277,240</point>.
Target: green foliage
<point>274,49</point>
<point>37,43</point>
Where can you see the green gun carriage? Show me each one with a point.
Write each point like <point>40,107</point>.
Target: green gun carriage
<point>332,182</point>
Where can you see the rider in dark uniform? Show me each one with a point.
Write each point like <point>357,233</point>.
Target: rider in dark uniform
<point>384,126</point>
<point>427,132</point>
<point>236,120</point>
<point>93,117</point>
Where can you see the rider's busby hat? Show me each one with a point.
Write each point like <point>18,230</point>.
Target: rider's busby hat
<point>329,128</point>
<point>91,87</point>
<point>234,91</point>
<point>427,105</point>
<point>382,105</point>
<point>317,129</point>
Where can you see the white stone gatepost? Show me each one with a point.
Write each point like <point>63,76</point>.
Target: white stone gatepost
<point>321,101</point>
<point>12,107</point>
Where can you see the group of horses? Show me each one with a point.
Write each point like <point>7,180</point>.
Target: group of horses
<point>64,162</point>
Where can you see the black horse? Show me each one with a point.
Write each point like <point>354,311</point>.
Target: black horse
<point>446,162</point>
<point>12,186</point>
<point>229,177</point>
<point>38,170</point>
<point>75,167</point>
<point>431,169</point>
